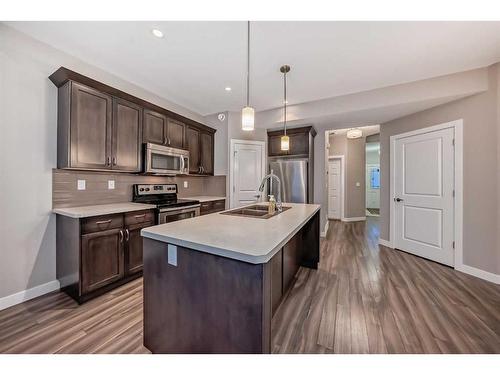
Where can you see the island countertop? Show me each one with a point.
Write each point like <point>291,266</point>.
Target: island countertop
<point>252,240</point>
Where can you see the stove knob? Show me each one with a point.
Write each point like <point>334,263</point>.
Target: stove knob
<point>141,189</point>
<point>147,189</point>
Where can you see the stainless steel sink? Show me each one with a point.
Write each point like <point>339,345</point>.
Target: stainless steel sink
<point>257,211</point>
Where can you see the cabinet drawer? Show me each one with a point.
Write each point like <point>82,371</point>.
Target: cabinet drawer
<point>206,207</point>
<point>139,217</point>
<point>101,223</point>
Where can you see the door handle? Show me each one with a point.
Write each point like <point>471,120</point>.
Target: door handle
<point>127,235</point>
<point>398,200</point>
<point>257,196</point>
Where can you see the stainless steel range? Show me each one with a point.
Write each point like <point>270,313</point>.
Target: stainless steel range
<point>168,207</point>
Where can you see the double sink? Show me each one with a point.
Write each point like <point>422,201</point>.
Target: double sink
<point>257,211</point>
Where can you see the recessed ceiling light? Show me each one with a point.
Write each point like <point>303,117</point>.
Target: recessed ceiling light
<point>228,88</point>
<point>157,33</point>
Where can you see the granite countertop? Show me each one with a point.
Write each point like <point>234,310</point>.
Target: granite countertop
<point>205,198</point>
<point>101,209</point>
<point>247,239</point>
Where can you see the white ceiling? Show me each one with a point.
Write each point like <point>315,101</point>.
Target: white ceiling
<point>195,61</point>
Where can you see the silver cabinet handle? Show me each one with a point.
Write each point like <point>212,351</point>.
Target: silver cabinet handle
<point>108,160</point>
<point>139,216</point>
<point>121,236</point>
<point>114,160</point>
<point>103,222</point>
<point>127,235</point>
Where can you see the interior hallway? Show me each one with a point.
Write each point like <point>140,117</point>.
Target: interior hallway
<point>363,299</point>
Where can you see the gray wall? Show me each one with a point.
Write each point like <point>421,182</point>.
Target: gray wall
<point>481,171</point>
<point>220,143</point>
<point>354,155</point>
<point>28,120</point>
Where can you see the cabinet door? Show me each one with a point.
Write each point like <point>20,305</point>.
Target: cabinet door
<point>175,133</point>
<point>275,146</point>
<point>127,136</point>
<point>276,280</point>
<point>102,259</point>
<point>90,129</point>
<point>133,254</point>
<point>207,152</point>
<point>154,127</point>
<point>291,260</point>
<point>193,145</point>
<point>299,143</point>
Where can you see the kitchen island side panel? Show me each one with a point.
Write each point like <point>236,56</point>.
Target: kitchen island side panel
<point>205,304</point>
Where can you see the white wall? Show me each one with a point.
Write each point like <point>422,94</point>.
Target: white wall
<point>28,120</point>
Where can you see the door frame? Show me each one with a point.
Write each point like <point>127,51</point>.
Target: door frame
<point>233,143</point>
<point>342,186</point>
<point>457,125</point>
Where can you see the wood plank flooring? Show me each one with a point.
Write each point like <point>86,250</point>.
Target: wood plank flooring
<point>362,299</point>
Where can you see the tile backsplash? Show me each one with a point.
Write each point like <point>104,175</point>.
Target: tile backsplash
<point>65,191</point>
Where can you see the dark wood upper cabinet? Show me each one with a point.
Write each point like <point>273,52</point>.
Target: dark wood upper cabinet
<point>102,259</point>
<point>193,145</point>
<point>175,133</point>
<point>89,124</point>
<point>207,152</point>
<point>154,128</point>
<point>300,141</point>
<point>127,136</point>
<point>103,128</point>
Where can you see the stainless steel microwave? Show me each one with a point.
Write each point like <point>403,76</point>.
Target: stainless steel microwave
<point>162,160</point>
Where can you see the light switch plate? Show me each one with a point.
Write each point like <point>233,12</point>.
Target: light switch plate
<point>185,184</point>
<point>80,185</point>
<point>358,184</point>
<point>111,184</point>
<point>172,255</point>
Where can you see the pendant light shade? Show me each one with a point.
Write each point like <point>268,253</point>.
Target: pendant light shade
<point>285,139</point>
<point>248,113</point>
<point>285,143</point>
<point>247,118</point>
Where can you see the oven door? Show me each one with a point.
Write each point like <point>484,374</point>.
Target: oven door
<point>168,215</point>
<point>165,160</point>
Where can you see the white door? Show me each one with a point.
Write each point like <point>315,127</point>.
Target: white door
<point>334,189</point>
<point>423,187</point>
<point>373,186</point>
<point>248,172</point>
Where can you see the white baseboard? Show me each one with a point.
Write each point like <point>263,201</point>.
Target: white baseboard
<point>28,294</point>
<point>361,218</point>
<point>385,243</point>
<point>485,275</point>
<point>323,234</point>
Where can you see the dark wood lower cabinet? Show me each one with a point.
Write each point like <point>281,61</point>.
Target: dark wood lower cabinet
<point>102,259</point>
<point>100,253</point>
<point>211,207</point>
<point>212,304</point>
<point>133,258</point>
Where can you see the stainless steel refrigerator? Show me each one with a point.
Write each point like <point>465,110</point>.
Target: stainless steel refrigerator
<point>296,179</point>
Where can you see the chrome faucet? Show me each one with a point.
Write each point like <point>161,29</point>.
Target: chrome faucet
<point>270,176</point>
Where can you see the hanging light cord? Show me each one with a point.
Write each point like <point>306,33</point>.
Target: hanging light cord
<point>248,64</point>
<point>284,85</point>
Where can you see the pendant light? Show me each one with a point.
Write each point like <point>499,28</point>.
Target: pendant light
<point>285,140</point>
<point>248,113</point>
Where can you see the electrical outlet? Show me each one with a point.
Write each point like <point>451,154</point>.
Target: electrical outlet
<point>111,184</point>
<point>80,185</point>
<point>185,184</point>
<point>172,254</point>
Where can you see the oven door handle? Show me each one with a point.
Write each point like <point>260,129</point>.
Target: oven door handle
<point>182,164</point>
<point>180,210</point>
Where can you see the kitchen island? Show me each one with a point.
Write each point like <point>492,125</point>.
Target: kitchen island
<point>213,282</point>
